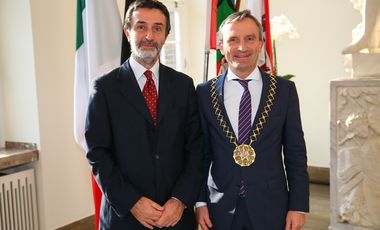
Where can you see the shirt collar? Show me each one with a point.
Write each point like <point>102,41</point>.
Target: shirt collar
<point>139,69</point>
<point>254,75</point>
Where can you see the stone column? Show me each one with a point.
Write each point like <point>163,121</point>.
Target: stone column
<point>355,129</point>
<point>355,154</point>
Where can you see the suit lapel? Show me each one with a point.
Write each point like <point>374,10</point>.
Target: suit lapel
<point>165,92</point>
<point>219,87</point>
<point>131,90</point>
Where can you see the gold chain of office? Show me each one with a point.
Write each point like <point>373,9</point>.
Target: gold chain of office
<point>244,155</point>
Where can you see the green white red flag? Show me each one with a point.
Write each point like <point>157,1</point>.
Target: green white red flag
<point>98,48</point>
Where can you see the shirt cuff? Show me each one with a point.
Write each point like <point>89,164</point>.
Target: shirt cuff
<point>175,198</point>
<point>301,212</point>
<point>200,204</point>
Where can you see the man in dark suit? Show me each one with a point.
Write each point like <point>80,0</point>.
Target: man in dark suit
<point>145,144</point>
<point>249,118</point>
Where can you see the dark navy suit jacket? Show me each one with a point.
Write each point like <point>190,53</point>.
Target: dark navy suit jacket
<point>130,157</point>
<point>275,182</point>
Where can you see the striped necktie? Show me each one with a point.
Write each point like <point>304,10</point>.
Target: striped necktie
<point>245,113</point>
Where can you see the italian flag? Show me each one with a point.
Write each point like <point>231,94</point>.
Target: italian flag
<point>98,48</point>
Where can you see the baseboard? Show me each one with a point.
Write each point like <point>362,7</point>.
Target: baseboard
<point>87,223</point>
<point>319,175</point>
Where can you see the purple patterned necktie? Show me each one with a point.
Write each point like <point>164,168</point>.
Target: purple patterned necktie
<point>245,113</point>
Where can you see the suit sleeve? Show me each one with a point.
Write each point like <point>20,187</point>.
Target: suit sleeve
<point>206,150</point>
<point>295,158</point>
<point>188,184</point>
<point>120,194</point>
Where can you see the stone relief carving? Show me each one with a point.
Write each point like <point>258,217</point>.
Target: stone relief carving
<point>358,149</point>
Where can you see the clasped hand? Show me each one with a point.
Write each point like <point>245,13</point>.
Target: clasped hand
<point>151,214</point>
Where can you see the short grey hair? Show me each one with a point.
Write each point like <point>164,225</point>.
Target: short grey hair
<point>239,16</point>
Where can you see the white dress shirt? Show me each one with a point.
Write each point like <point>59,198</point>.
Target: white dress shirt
<point>233,91</point>
<point>139,71</point>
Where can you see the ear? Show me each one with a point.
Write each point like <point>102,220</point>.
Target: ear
<point>219,45</point>
<point>126,32</point>
<point>261,44</point>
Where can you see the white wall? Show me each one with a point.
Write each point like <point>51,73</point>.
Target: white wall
<point>2,140</point>
<point>18,89</point>
<point>64,175</point>
<point>325,29</point>
<point>196,38</point>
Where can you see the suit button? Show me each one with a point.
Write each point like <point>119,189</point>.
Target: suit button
<point>156,156</point>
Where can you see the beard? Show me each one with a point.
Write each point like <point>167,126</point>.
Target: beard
<point>146,55</point>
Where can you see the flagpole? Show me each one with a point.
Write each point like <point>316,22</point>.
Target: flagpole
<point>205,67</point>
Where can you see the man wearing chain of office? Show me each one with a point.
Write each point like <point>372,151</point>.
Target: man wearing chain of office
<point>255,164</point>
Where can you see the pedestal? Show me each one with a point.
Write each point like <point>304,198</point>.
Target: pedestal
<point>365,64</point>
<point>355,154</point>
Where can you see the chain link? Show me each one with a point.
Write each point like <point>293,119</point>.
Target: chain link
<point>261,121</point>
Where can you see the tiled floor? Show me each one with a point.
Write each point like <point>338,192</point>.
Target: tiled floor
<point>317,219</point>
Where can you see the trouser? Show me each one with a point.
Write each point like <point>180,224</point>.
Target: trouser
<point>241,219</point>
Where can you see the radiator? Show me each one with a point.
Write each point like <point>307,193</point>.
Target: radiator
<point>18,203</point>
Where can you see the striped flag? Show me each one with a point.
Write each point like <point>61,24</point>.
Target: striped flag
<point>225,8</point>
<point>98,47</point>
<point>260,9</point>
<point>220,9</point>
<point>211,25</point>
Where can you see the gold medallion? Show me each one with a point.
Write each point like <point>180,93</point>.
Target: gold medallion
<point>244,155</point>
